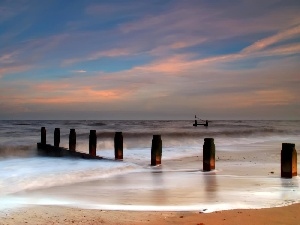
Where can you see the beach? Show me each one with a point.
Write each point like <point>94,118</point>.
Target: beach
<point>150,112</point>
<point>38,212</point>
<point>245,186</point>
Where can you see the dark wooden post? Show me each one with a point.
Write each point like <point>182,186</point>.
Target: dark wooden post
<point>209,154</point>
<point>195,124</point>
<point>156,150</point>
<point>43,135</point>
<point>72,140</point>
<point>288,160</point>
<point>206,123</point>
<point>92,142</point>
<point>118,141</point>
<point>56,137</point>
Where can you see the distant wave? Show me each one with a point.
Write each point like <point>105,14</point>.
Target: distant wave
<point>21,141</point>
<point>17,150</point>
<point>188,134</point>
<point>97,124</point>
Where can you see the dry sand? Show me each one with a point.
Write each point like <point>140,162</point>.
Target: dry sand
<point>287,215</point>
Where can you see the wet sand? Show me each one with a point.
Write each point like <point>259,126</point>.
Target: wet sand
<point>254,176</point>
<point>240,181</point>
<point>288,215</point>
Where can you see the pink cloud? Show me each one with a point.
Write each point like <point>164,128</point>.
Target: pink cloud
<point>97,55</point>
<point>8,57</point>
<point>69,97</point>
<point>280,36</point>
<point>247,100</point>
<point>79,71</point>
<point>13,69</point>
<point>81,95</point>
<point>172,65</point>
<point>51,86</point>
<point>60,92</point>
<point>187,43</point>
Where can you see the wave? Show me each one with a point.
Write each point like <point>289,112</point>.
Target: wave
<point>137,133</point>
<point>96,124</point>
<point>190,134</point>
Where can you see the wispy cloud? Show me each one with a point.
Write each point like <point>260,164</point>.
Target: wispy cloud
<point>284,50</point>
<point>9,9</point>
<point>172,57</point>
<point>97,55</point>
<point>171,65</point>
<point>79,71</point>
<point>266,42</point>
<point>70,96</point>
<point>8,57</point>
<point>6,70</point>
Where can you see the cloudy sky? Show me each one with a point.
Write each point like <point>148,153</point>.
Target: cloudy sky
<point>149,59</point>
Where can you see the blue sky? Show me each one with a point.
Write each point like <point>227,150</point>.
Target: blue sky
<point>149,59</point>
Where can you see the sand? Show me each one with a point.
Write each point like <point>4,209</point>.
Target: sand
<point>288,215</point>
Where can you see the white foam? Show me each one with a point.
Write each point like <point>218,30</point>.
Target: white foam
<point>19,174</point>
<point>144,154</point>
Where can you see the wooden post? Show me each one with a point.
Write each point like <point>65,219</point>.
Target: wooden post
<point>195,124</point>
<point>206,123</point>
<point>43,135</point>
<point>118,141</point>
<point>156,150</point>
<point>72,140</point>
<point>209,154</point>
<point>56,137</point>
<point>288,160</point>
<point>92,142</point>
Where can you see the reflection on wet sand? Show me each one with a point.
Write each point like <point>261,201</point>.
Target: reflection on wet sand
<point>176,187</point>
<point>211,186</point>
<point>159,193</point>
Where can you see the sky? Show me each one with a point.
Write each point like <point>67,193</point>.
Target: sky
<point>149,59</point>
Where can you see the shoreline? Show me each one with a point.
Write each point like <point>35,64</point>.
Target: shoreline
<point>159,188</point>
<point>287,215</point>
<point>241,178</point>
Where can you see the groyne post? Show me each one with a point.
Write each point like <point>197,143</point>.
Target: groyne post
<point>118,143</point>
<point>156,150</point>
<point>209,152</point>
<point>72,140</point>
<point>43,135</point>
<point>195,124</point>
<point>92,142</point>
<point>56,137</point>
<point>288,160</point>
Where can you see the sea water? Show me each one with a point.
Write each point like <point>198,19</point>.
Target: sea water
<point>247,171</point>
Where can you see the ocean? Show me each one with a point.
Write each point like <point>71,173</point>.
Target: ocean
<point>247,171</point>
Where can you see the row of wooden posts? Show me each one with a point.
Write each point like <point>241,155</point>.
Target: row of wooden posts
<point>288,152</point>
<point>156,149</point>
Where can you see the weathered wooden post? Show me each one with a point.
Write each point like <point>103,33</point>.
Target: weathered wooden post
<point>118,141</point>
<point>56,137</point>
<point>288,160</point>
<point>209,152</point>
<point>195,124</point>
<point>72,140</point>
<point>92,142</point>
<point>43,135</point>
<point>156,150</point>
